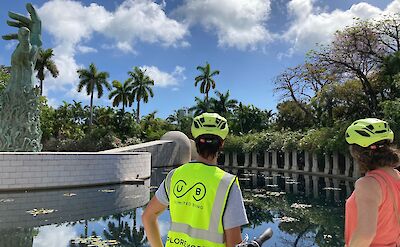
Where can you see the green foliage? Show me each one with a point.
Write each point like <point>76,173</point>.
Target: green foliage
<point>291,116</point>
<point>391,112</point>
<point>249,119</point>
<point>154,128</point>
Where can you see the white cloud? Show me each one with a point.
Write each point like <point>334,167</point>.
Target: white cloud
<point>311,25</point>
<point>144,20</point>
<point>54,236</point>
<point>237,23</point>
<point>165,79</point>
<point>86,49</point>
<point>71,24</point>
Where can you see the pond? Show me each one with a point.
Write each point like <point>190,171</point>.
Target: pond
<point>302,210</point>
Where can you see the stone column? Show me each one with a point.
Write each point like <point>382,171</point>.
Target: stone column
<point>335,165</point>
<point>327,163</point>
<point>274,159</point>
<point>254,179</point>
<point>226,162</point>
<point>295,166</point>
<point>306,161</point>
<point>347,162</point>
<point>234,159</point>
<point>348,189</point>
<point>254,159</point>
<point>287,163</point>
<point>314,167</point>
<point>246,160</point>
<point>266,160</point>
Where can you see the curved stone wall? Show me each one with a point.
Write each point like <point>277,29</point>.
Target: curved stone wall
<point>24,171</point>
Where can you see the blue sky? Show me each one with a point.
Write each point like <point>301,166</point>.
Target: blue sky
<point>250,42</point>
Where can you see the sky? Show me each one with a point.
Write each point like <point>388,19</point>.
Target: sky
<point>249,41</point>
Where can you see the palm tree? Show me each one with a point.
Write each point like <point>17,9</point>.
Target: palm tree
<point>93,80</point>
<point>142,84</point>
<point>201,106</point>
<point>122,94</point>
<point>207,82</point>
<point>223,105</point>
<point>44,61</point>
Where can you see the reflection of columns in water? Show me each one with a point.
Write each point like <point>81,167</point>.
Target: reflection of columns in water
<point>287,186</point>
<point>226,163</point>
<point>295,185</point>
<point>335,164</point>
<point>294,160</point>
<point>254,179</point>
<point>329,185</point>
<point>254,159</point>
<point>275,179</point>
<point>246,160</point>
<point>348,189</point>
<point>307,182</point>
<point>315,186</point>
<point>314,167</point>
<point>234,171</point>
<point>336,192</point>
<point>274,159</point>
<point>234,159</point>
<point>306,161</point>
<point>347,163</point>
<point>356,169</point>
<point>266,160</point>
<point>286,160</point>
<point>327,163</point>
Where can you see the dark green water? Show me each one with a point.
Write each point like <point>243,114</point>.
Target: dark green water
<point>302,210</point>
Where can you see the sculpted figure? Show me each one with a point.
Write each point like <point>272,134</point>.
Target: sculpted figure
<point>19,102</point>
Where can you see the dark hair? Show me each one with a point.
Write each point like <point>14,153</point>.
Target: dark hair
<point>372,158</point>
<point>208,146</point>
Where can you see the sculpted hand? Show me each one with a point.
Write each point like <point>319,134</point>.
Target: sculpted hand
<point>34,25</point>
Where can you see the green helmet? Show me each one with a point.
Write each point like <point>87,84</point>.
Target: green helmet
<point>211,124</point>
<point>365,132</point>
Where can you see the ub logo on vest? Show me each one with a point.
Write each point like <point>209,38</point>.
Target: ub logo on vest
<point>197,191</point>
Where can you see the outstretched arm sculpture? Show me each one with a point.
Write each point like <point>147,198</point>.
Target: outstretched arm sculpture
<point>19,103</point>
<point>24,57</point>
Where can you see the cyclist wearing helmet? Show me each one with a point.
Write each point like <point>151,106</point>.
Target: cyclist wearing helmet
<point>372,211</point>
<point>205,202</point>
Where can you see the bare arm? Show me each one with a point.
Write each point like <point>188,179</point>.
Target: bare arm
<point>368,198</point>
<point>149,219</point>
<point>233,236</point>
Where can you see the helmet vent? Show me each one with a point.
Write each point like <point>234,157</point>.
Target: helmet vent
<point>202,120</point>
<point>370,127</point>
<point>223,126</point>
<point>380,131</point>
<point>209,125</point>
<point>196,125</point>
<point>363,133</point>
<point>347,135</point>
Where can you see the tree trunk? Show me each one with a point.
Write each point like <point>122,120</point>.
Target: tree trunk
<point>41,87</point>
<point>91,108</point>
<point>138,111</point>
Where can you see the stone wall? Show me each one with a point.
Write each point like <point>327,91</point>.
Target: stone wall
<point>19,171</point>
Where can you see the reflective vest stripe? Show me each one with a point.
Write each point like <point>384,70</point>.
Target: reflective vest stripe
<point>197,233</point>
<point>217,210</point>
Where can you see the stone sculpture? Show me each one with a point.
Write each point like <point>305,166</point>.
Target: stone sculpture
<point>19,102</point>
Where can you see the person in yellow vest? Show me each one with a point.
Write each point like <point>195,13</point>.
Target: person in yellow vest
<point>205,202</point>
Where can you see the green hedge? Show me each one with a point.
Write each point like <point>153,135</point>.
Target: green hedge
<point>315,140</point>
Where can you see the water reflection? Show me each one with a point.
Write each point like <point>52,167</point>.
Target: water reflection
<point>303,210</point>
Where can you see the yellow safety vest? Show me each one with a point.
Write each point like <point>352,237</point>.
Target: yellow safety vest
<point>197,198</point>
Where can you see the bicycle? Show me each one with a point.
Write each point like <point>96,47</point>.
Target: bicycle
<point>267,234</point>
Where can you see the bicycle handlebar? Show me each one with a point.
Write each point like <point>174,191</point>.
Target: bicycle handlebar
<point>267,234</point>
